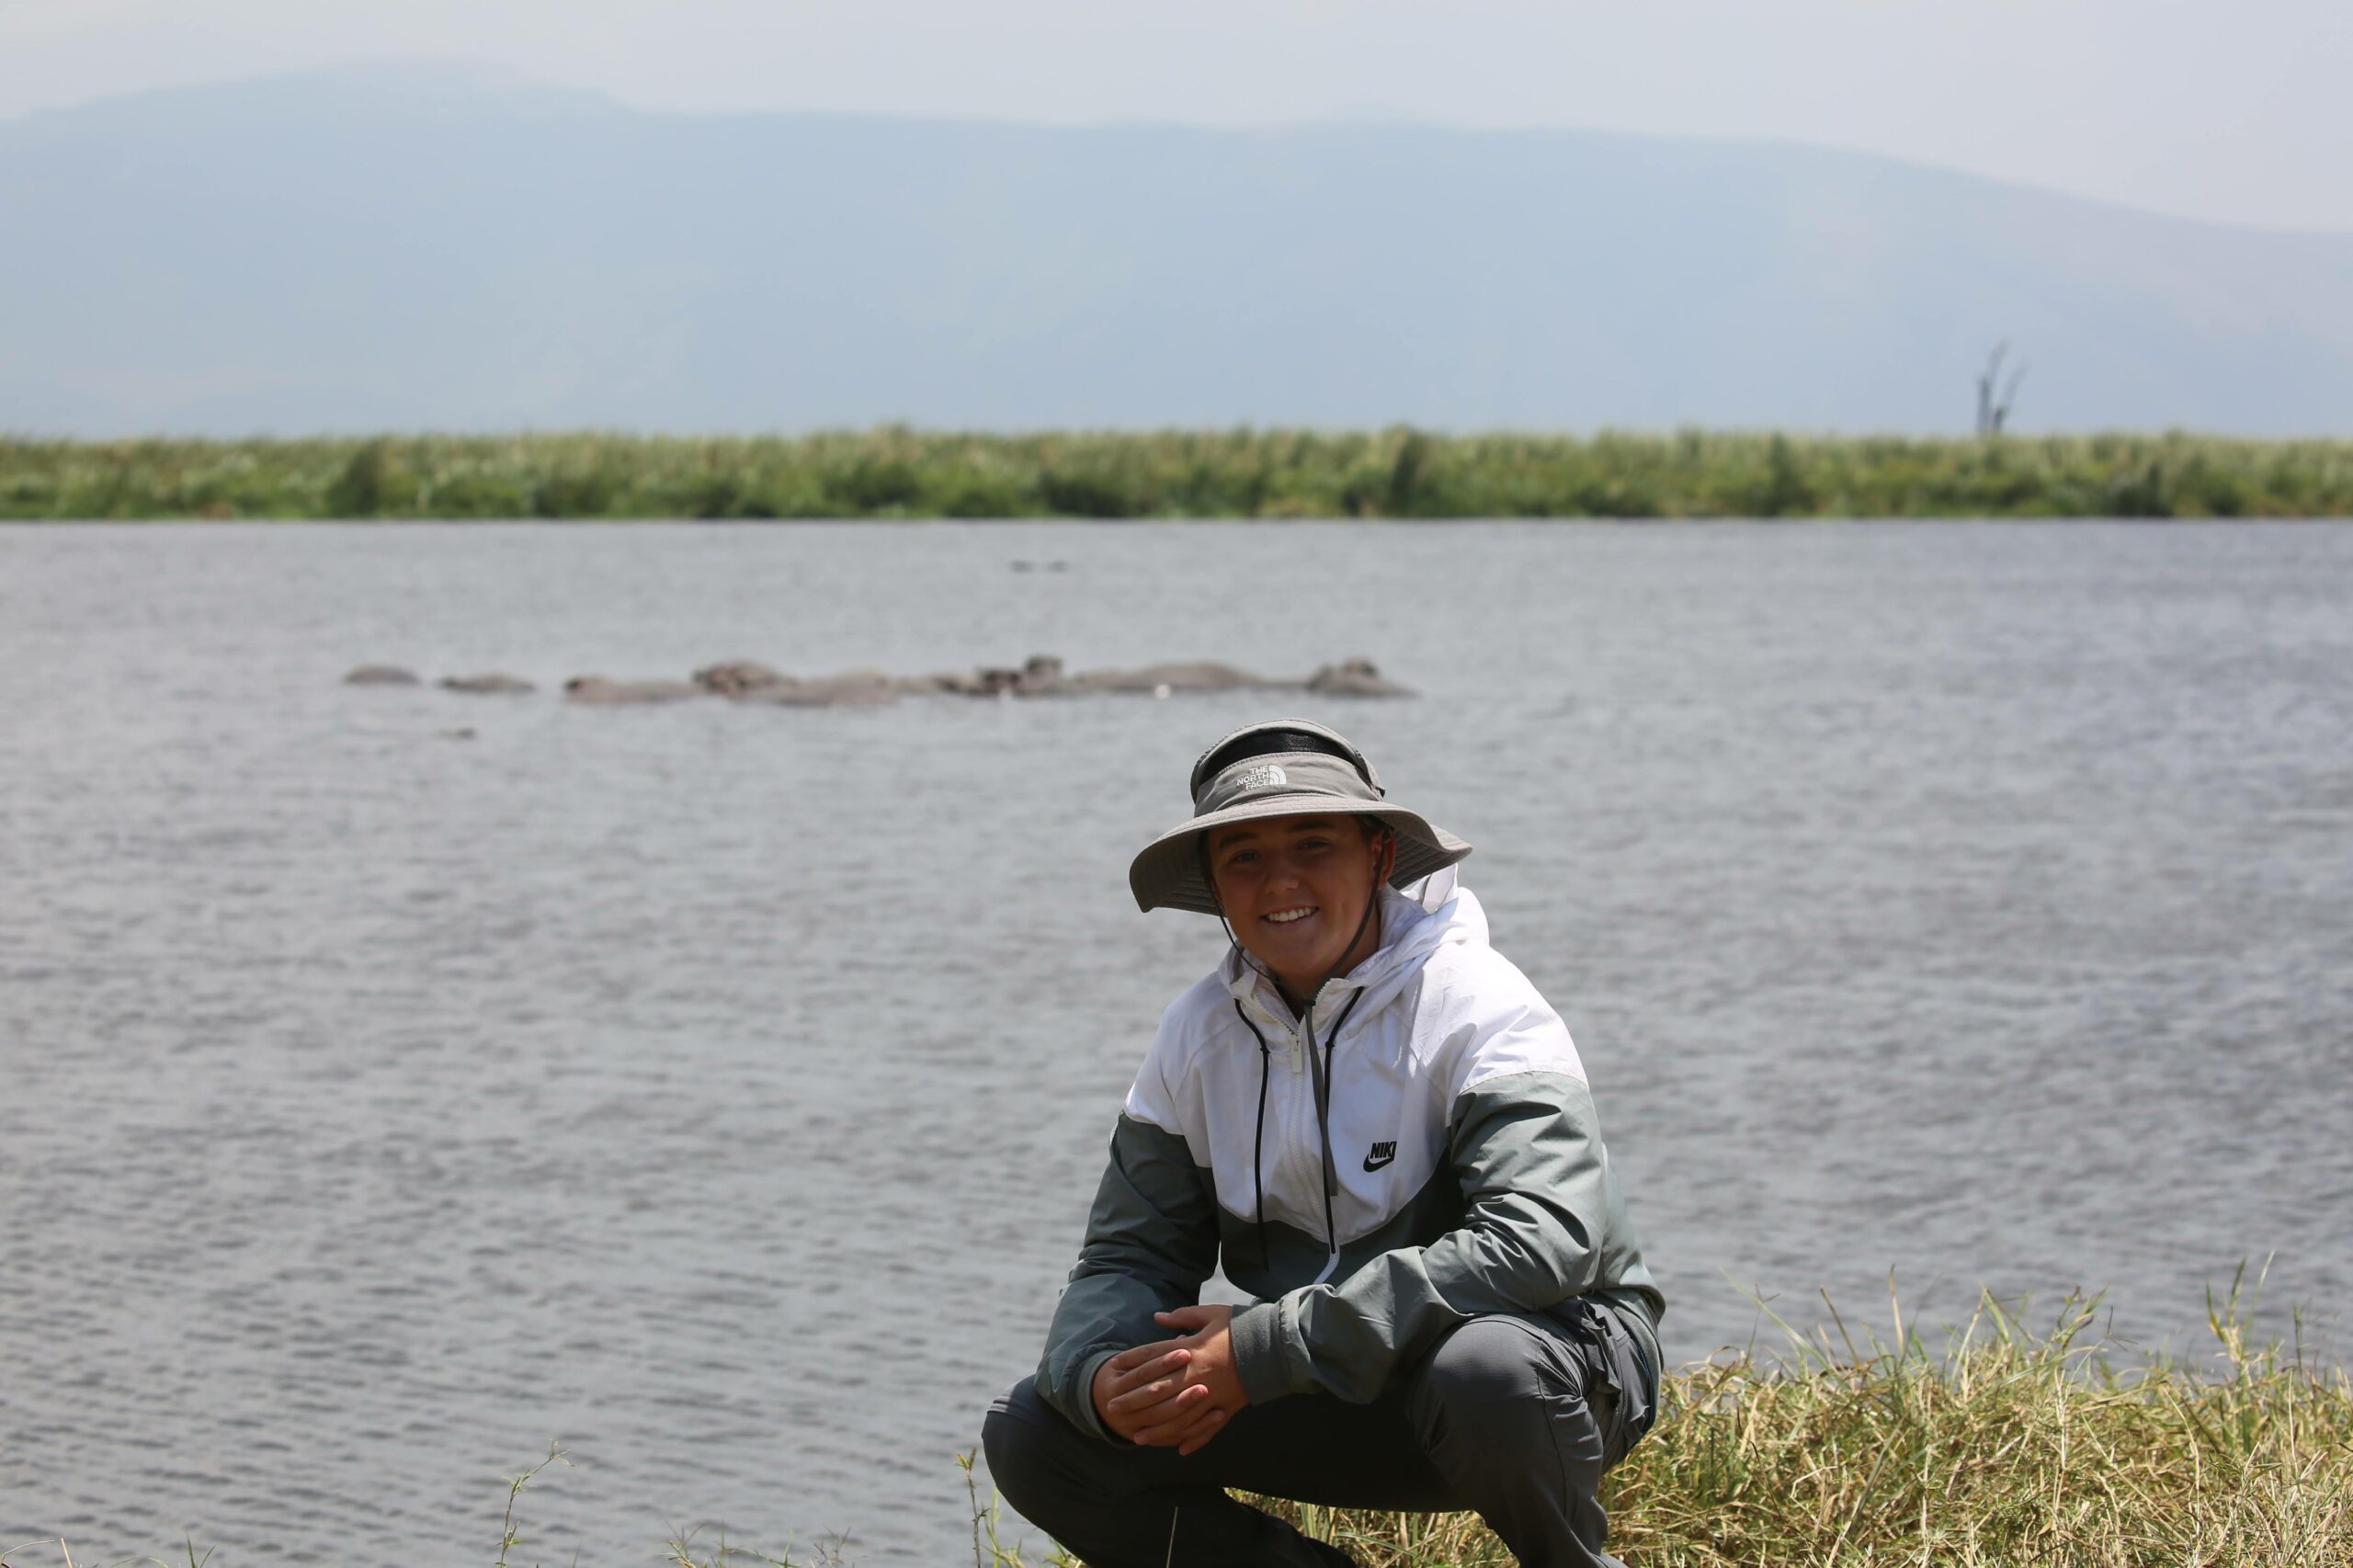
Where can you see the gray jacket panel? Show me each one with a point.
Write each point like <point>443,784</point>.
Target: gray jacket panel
<point>1151,1240</point>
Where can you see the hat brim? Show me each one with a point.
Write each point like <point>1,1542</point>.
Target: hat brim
<point>1168,873</point>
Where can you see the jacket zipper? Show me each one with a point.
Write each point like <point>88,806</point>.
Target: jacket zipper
<point>1297,1167</point>
<point>1306,1140</point>
<point>1301,1158</point>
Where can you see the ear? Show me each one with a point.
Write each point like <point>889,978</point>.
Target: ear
<point>1387,855</point>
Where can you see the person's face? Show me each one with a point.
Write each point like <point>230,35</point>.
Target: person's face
<point>1295,889</point>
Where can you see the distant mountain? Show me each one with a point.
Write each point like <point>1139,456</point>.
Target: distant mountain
<point>432,247</point>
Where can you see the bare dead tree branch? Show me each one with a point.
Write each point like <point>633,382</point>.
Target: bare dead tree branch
<point>1994,406</point>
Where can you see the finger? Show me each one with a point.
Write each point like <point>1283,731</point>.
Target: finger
<point>1202,1418</point>
<point>1172,1412</point>
<point>1148,1395</point>
<point>1200,1428</point>
<point>1201,1432</point>
<point>1190,1319</point>
<point>1164,1422</point>
<point>1143,1371</point>
<point>1168,1363</point>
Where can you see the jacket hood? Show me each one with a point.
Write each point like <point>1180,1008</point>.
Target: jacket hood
<point>1415,923</point>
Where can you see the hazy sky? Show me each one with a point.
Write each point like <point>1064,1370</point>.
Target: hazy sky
<point>2235,109</point>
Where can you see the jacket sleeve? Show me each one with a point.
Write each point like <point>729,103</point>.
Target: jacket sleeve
<point>1538,1203</point>
<point>1151,1240</point>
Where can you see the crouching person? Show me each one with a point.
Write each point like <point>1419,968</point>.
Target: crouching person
<point>1383,1132</point>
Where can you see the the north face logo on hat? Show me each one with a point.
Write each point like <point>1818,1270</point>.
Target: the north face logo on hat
<point>1268,777</point>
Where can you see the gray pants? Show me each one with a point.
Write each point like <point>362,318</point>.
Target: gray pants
<point>1515,1417</point>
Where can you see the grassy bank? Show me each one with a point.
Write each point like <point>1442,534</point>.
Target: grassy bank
<point>896,472</point>
<point>2003,1447</point>
<point>2004,1450</point>
<point>1999,1448</point>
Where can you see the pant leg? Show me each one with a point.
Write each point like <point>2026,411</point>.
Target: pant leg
<point>1502,1417</point>
<point>1507,1412</point>
<point>1116,1504</point>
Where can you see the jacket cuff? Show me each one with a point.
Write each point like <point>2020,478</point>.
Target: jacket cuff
<point>1090,1420</point>
<point>1259,1358</point>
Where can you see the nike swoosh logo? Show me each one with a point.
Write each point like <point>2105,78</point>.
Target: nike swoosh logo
<point>1385,1154</point>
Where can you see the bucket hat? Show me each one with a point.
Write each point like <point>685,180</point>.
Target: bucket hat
<point>1280,768</point>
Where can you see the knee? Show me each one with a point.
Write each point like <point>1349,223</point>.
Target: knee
<point>1490,1375</point>
<point>1018,1438</point>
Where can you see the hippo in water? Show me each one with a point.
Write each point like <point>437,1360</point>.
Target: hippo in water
<point>600,692</point>
<point>1354,677</point>
<point>380,674</point>
<point>1202,676</point>
<point>737,676</point>
<point>850,688</point>
<point>1039,676</point>
<point>487,684</point>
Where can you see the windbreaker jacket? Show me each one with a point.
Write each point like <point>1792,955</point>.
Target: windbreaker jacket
<point>1467,1174</point>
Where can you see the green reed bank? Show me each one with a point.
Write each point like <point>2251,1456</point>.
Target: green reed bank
<point>1397,472</point>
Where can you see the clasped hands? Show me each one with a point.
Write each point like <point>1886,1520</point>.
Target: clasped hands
<point>1173,1393</point>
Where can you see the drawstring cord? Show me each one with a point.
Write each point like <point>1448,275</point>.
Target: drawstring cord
<point>1258,1135</point>
<point>1258,1130</point>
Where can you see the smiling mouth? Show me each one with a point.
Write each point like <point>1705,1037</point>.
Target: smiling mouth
<point>1287,916</point>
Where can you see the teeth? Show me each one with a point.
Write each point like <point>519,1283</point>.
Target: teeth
<point>1288,916</point>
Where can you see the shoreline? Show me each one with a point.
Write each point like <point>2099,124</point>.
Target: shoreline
<point>1998,1443</point>
<point>1393,474</point>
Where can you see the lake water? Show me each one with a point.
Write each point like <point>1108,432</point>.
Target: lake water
<point>720,1090</point>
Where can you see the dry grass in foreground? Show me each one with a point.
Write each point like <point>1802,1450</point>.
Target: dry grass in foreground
<point>2006,1448</point>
